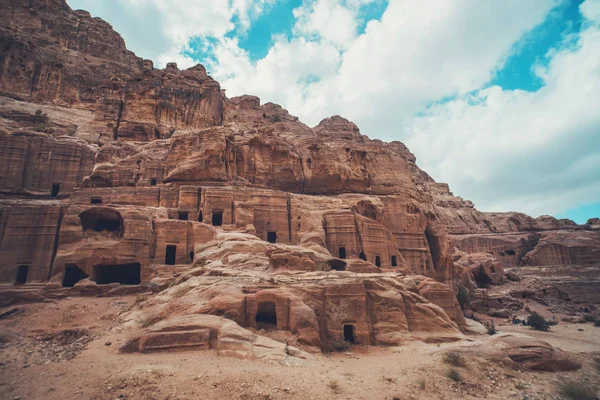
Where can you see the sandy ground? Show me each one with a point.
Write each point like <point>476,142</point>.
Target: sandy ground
<point>39,362</point>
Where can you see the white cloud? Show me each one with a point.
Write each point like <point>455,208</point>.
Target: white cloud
<point>513,150</point>
<point>328,20</point>
<point>161,29</point>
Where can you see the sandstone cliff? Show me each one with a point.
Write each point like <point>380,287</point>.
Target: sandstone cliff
<point>113,173</point>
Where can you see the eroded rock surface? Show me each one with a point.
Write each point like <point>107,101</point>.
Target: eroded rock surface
<point>117,177</point>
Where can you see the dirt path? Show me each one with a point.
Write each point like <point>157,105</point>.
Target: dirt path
<point>39,361</point>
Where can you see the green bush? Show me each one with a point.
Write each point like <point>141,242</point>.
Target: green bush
<point>463,297</point>
<point>537,322</point>
<point>454,374</point>
<point>41,116</point>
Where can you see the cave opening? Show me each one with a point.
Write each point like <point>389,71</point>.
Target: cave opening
<point>510,252</point>
<point>191,256</point>
<point>55,190</point>
<point>102,220</point>
<point>96,200</point>
<point>349,333</point>
<point>22,272</point>
<point>200,216</point>
<point>171,254</point>
<point>152,181</point>
<point>337,265</point>
<point>394,261</point>
<point>73,274</point>
<point>481,279</point>
<point>125,274</point>
<point>217,217</point>
<point>342,252</point>
<point>266,315</point>
<point>434,247</point>
<point>272,237</point>
<point>378,261</point>
<point>362,256</point>
<point>183,215</point>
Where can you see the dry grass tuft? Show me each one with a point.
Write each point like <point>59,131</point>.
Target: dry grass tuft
<point>455,358</point>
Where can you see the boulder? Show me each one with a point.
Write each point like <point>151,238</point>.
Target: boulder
<point>535,354</point>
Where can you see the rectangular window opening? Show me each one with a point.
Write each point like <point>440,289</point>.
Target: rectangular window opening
<point>55,190</point>
<point>22,273</point>
<point>170,255</point>
<point>217,217</point>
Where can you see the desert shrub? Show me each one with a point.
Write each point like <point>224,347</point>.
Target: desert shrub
<point>422,384</point>
<point>597,323</point>
<point>491,327</point>
<point>338,345</point>
<point>590,318</point>
<point>537,322</point>
<point>41,116</point>
<point>455,358</point>
<point>575,390</point>
<point>40,128</point>
<point>454,374</point>
<point>275,118</point>
<point>463,297</point>
<point>334,386</point>
<point>521,385</point>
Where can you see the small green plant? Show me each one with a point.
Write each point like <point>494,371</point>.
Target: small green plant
<point>454,374</point>
<point>537,322</point>
<point>421,384</point>
<point>490,327</point>
<point>275,118</point>
<point>575,390</point>
<point>40,128</point>
<point>41,116</point>
<point>455,358</point>
<point>463,297</point>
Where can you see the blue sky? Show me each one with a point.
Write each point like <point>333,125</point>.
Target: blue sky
<point>496,98</point>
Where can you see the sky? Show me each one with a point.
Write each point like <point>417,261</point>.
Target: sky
<point>500,99</point>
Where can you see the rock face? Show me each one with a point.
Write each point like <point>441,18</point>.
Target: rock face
<point>116,177</point>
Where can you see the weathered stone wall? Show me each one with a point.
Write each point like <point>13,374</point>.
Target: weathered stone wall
<point>28,235</point>
<point>38,164</point>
